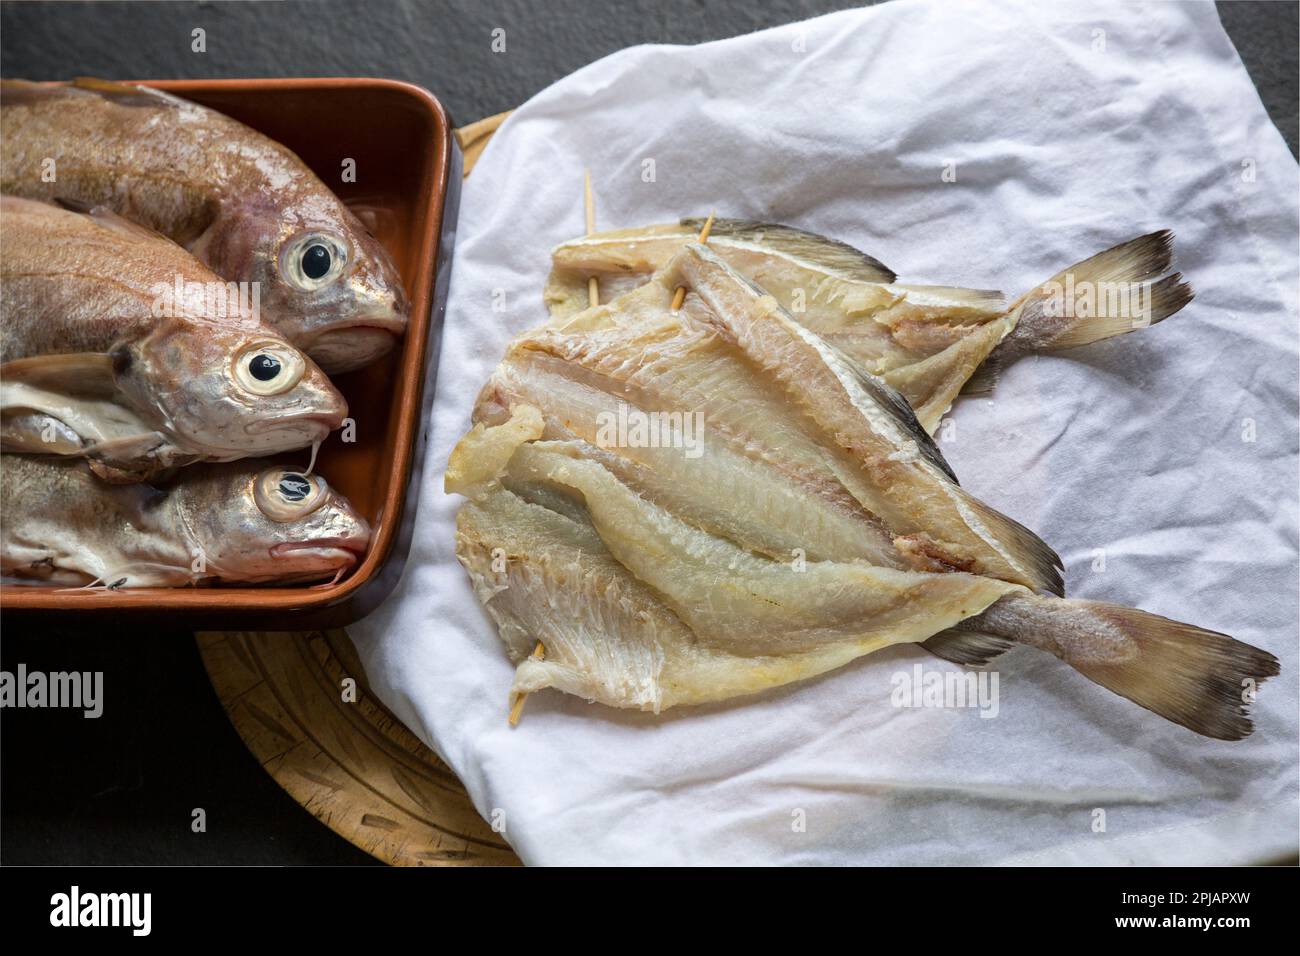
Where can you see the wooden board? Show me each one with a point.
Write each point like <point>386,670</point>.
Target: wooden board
<point>474,137</point>
<point>350,763</point>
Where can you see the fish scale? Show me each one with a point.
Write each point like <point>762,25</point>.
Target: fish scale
<point>242,203</point>
<point>61,525</point>
<point>96,362</point>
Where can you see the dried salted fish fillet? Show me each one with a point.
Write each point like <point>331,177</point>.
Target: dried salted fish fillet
<point>816,522</point>
<point>637,608</point>
<point>747,436</point>
<point>929,342</point>
<point>900,476</point>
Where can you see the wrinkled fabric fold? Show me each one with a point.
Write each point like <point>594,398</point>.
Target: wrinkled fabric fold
<point>1161,466</point>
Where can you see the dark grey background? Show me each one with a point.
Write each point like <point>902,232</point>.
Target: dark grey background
<point>121,789</point>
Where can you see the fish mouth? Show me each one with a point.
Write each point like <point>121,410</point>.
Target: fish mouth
<point>346,347</point>
<point>326,421</point>
<point>333,552</point>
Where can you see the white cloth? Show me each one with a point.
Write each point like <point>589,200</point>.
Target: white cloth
<point>1071,127</point>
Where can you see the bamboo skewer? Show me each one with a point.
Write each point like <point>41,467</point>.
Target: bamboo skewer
<point>593,299</point>
<point>680,295</point>
<point>593,284</point>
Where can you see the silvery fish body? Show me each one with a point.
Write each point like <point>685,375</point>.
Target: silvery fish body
<point>118,346</point>
<point>246,206</point>
<point>242,522</point>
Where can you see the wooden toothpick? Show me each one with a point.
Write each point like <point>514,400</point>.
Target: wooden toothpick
<point>680,295</point>
<point>593,285</point>
<point>538,652</point>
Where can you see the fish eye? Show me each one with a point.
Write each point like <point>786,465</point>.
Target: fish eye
<point>314,260</point>
<point>284,495</point>
<point>268,368</point>
<point>264,367</point>
<point>294,487</point>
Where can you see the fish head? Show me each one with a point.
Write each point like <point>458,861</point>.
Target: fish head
<point>273,524</point>
<point>332,288</point>
<point>228,391</point>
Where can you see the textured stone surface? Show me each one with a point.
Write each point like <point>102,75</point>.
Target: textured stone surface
<point>445,45</point>
<point>121,789</point>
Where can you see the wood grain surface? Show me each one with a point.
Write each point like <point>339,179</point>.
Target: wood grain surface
<point>343,756</point>
<point>474,138</point>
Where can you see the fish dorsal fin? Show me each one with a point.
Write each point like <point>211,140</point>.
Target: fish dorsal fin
<point>15,92</point>
<point>837,258</point>
<point>86,374</point>
<point>125,93</point>
<point>892,401</point>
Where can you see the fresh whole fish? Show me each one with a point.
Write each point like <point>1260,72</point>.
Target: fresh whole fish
<point>928,342</point>
<point>807,519</point>
<point>236,523</point>
<point>114,347</point>
<point>243,204</point>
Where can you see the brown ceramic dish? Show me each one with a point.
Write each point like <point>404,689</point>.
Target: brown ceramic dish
<point>408,175</point>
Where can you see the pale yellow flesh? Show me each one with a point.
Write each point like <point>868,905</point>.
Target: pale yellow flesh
<point>926,341</point>
<point>639,609</point>
<point>785,546</point>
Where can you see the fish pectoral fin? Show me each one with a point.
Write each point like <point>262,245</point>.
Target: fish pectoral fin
<point>118,476</point>
<point>36,433</point>
<point>46,421</point>
<point>970,648</point>
<point>837,258</point>
<point>126,93</point>
<point>107,217</point>
<point>84,374</point>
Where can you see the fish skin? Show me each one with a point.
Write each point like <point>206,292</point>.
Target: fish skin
<point>231,196</point>
<point>644,599</point>
<point>82,348</point>
<point>928,342</point>
<point>62,525</point>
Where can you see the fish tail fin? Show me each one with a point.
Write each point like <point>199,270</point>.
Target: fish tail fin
<point>1113,292</point>
<point>1200,679</point>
